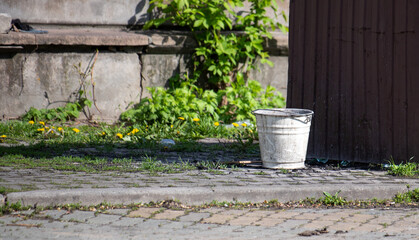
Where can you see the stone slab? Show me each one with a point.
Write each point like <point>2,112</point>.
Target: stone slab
<point>77,37</point>
<point>199,195</point>
<point>5,22</point>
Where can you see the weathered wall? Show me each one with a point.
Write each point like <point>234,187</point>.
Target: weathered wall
<point>129,62</point>
<point>79,12</point>
<point>89,12</point>
<point>48,80</point>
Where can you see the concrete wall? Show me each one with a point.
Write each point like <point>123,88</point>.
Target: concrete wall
<point>77,12</point>
<point>38,70</point>
<point>49,80</point>
<point>89,12</point>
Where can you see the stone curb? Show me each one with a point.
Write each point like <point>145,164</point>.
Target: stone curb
<point>200,195</point>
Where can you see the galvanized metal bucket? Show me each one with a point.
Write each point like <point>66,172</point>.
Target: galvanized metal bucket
<point>283,136</point>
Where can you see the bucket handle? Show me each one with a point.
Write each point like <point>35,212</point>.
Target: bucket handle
<point>305,121</point>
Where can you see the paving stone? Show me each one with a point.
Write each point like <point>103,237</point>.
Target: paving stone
<point>257,213</point>
<point>218,219</point>
<point>118,211</point>
<point>127,222</point>
<point>243,221</point>
<point>269,222</point>
<point>103,219</point>
<point>318,224</point>
<point>234,212</point>
<point>308,216</point>
<point>55,214</point>
<point>344,226</point>
<point>4,220</point>
<point>336,216</point>
<point>294,224</point>
<point>284,214</point>
<point>368,227</point>
<point>78,216</point>
<point>169,214</point>
<point>144,212</point>
<point>359,218</point>
<point>194,217</point>
<point>211,210</point>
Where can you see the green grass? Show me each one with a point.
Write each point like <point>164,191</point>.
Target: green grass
<point>16,132</point>
<point>408,169</point>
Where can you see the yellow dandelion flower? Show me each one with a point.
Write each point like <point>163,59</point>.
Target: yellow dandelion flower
<point>40,129</point>
<point>76,130</point>
<point>171,126</point>
<point>195,119</point>
<point>52,131</point>
<point>60,129</point>
<point>235,124</point>
<point>134,131</point>
<point>42,123</point>
<point>46,127</point>
<point>217,124</point>
<point>181,118</point>
<point>128,134</point>
<point>177,132</point>
<point>3,136</point>
<point>103,133</point>
<point>244,124</point>
<point>119,135</point>
<point>31,122</point>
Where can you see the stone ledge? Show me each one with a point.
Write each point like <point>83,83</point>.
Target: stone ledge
<point>79,37</point>
<point>157,41</point>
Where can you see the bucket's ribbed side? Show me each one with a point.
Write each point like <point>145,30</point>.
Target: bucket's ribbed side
<point>283,140</point>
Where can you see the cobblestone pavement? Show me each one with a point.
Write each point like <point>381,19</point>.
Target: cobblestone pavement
<point>36,179</point>
<point>213,223</point>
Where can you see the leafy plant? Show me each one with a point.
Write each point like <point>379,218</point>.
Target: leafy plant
<point>167,105</point>
<point>70,111</point>
<point>408,169</point>
<point>190,101</point>
<point>334,200</point>
<point>218,86</point>
<point>219,54</point>
<point>407,197</point>
<point>243,98</point>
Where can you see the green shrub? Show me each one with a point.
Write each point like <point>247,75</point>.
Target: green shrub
<point>218,88</point>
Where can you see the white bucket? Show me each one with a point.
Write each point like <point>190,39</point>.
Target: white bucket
<point>283,136</point>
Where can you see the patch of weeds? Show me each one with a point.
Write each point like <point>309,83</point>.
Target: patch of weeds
<point>75,220</point>
<point>385,225</point>
<point>284,171</point>
<point>211,165</point>
<point>98,186</point>
<point>132,185</point>
<point>215,172</point>
<point>334,200</point>
<point>11,207</point>
<point>152,165</point>
<point>411,196</point>
<point>27,187</point>
<point>408,169</point>
<point>6,190</point>
<point>260,173</point>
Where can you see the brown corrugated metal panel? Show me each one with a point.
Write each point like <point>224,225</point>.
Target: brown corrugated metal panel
<point>356,64</point>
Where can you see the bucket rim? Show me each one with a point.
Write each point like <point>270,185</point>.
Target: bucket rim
<point>286,112</point>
